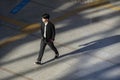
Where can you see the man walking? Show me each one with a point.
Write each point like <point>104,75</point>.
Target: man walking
<point>48,36</point>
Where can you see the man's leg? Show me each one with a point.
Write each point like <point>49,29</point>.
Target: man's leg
<point>51,45</point>
<point>42,48</point>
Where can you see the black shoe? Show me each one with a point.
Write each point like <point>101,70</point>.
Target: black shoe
<point>38,62</point>
<point>57,55</point>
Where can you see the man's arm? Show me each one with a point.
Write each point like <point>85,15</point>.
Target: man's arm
<point>53,32</point>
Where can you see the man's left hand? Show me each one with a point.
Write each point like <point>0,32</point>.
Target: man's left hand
<point>51,40</point>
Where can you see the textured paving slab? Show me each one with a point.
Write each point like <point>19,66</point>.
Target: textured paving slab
<point>88,43</point>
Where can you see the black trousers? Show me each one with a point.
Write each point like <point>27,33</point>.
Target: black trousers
<point>42,48</point>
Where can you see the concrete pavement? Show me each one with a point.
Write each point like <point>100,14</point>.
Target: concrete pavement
<point>88,42</point>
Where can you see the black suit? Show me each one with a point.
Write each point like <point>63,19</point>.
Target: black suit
<point>48,40</point>
<point>50,31</point>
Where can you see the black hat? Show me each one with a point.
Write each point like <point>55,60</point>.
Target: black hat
<point>46,16</point>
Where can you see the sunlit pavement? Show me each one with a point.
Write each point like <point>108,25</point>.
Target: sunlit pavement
<point>88,41</point>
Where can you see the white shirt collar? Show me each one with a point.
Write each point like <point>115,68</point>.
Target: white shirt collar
<point>46,23</point>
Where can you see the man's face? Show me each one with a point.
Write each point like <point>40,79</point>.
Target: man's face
<point>44,20</point>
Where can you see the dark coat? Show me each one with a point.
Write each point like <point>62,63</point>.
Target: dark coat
<point>50,31</point>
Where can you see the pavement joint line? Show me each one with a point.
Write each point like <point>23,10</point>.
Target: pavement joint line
<point>36,2</point>
<point>14,73</point>
<point>102,58</point>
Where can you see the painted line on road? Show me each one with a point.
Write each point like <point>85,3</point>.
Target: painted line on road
<point>17,8</point>
<point>12,39</point>
<point>12,21</point>
<point>112,7</point>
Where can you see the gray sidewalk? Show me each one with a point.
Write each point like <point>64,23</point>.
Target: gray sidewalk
<point>88,43</point>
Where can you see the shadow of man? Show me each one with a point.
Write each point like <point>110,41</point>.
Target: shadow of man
<point>94,45</point>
